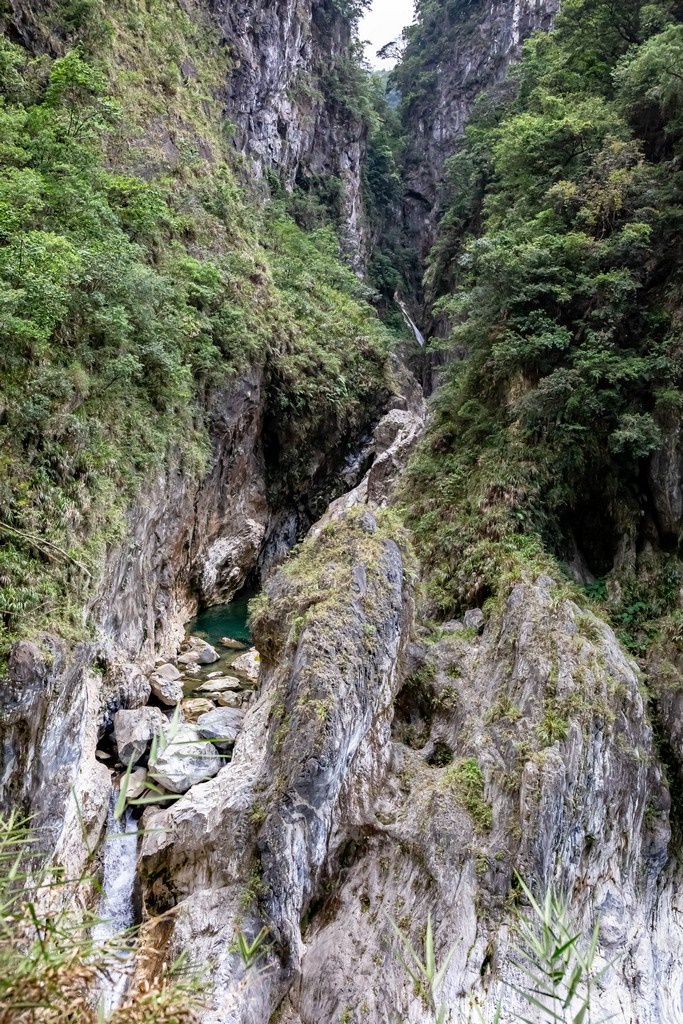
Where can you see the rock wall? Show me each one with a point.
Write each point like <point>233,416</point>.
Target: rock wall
<point>470,46</point>
<point>251,845</point>
<point>191,540</point>
<point>279,95</point>
<point>349,797</point>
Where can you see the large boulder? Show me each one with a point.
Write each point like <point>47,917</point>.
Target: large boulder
<point>126,685</point>
<point>220,684</point>
<point>133,731</point>
<point>248,666</point>
<point>221,726</point>
<point>202,651</point>
<point>184,761</point>
<point>166,683</point>
<point>193,707</point>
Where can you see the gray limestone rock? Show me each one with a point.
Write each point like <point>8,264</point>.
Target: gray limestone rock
<point>474,618</point>
<point>221,726</point>
<point>184,760</point>
<point>133,731</point>
<point>166,684</point>
<point>207,655</point>
<point>220,683</point>
<point>247,666</point>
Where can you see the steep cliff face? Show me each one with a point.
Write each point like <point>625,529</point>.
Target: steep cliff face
<point>286,57</point>
<point>457,52</point>
<point>380,778</point>
<point>285,96</point>
<point>190,541</point>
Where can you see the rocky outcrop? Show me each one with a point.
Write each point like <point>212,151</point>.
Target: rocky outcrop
<point>251,844</point>
<point>280,95</point>
<point>379,779</point>
<point>528,748</point>
<point>469,48</point>
<point>190,538</point>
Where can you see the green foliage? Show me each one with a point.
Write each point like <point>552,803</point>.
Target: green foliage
<point>131,285</point>
<point>467,781</point>
<point>251,952</point>
<point>556,961</point>
<point>424,973</point>
<point>559,270</point>
<point>558,964</point>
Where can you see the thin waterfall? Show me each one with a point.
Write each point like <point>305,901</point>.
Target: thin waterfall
<point>419,337</point>
<point>116,910</point>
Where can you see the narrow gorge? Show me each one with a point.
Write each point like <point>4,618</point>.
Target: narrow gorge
<point>341,590</point>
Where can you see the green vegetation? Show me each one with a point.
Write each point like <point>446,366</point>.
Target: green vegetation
<point>559,268</point>
<point>465,778</point>
<point>51,967</point>
<point>136,276</point>
<point>556,961</point>
<point>319,584</point>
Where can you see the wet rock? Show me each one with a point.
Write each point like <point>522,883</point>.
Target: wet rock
<point>247,666</point>
<point>184,761</point>
<point>221,726</point>
<point>193,707</point>
<point>133,731</point>
<point>166,684</point>
<point>474,619</point>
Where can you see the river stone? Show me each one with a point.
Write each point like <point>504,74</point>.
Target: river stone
<point>247,665</point>
<point>193,707</point>
<point>219,684</point>
<point>166,685</point>
<point>207,654</point>
<point>136,784</point>
<point>474,619</point>
<point>234,645</point>
<point>133,731</point>
<point>221,726</point>
<point>185,761</point>
<point>230,698</point>
<point>191,658</point>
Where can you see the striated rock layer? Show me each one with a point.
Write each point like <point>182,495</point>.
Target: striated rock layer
<point>190,539</point>
<point>387,770</point>
<point>280,96</point>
